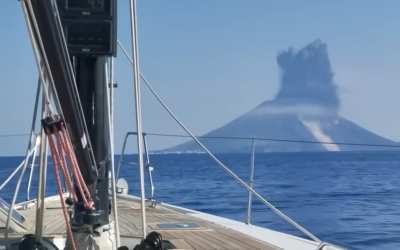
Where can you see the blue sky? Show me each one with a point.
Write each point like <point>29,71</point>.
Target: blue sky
<point>215,59</point>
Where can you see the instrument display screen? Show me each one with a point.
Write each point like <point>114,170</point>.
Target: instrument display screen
<point>90,26</point>
<point>89,37</point>
<point>96,5</point>
<point>101,8</point>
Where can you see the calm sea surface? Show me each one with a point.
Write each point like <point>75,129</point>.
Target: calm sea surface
<point>351,199</point>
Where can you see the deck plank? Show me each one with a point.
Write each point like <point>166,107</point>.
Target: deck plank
<point>207,236</point>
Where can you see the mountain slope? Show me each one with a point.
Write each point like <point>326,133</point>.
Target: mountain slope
<point>306,108</point>
<point>279,122</point>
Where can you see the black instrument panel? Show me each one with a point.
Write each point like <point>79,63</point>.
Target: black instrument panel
<point>90,26</point>
<point>103,8</point>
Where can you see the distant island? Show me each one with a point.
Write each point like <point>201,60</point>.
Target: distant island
<point>305,109</point>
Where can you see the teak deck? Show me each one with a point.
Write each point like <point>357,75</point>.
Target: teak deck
<point>198,234</point>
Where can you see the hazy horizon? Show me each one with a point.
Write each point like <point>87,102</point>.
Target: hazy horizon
<point>215,60</point>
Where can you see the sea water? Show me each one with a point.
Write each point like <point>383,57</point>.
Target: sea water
<point>351,199</point>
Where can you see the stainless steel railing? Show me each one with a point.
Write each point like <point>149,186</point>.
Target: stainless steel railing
<point>148,165</point>
<point>150,169</point>
<point>251,180</point>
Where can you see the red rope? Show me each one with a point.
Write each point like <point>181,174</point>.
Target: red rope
<point>55,157</point>
<point>63,163</point>
<point>62,153</point>
<point>83,189</point>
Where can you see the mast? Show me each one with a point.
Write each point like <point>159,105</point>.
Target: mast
<point>73,42</point>
<point>90,30</point>
<point>138,109</point>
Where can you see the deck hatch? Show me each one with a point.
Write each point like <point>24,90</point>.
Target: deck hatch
<point>180,226</point>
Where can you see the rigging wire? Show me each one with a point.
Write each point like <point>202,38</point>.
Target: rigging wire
<point>52,108</point>
<point>21,165</point>
<point>14,135</point>
<point>32,143</point>
<point>394,145</point>
<point>218,161</point>
<point>277,140</point>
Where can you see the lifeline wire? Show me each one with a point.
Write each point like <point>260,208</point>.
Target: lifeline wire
<point>220,163</point>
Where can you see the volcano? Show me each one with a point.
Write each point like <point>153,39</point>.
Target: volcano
<point>306,109</point>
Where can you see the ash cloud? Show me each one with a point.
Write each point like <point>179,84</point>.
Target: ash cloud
<point>307,77</point>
